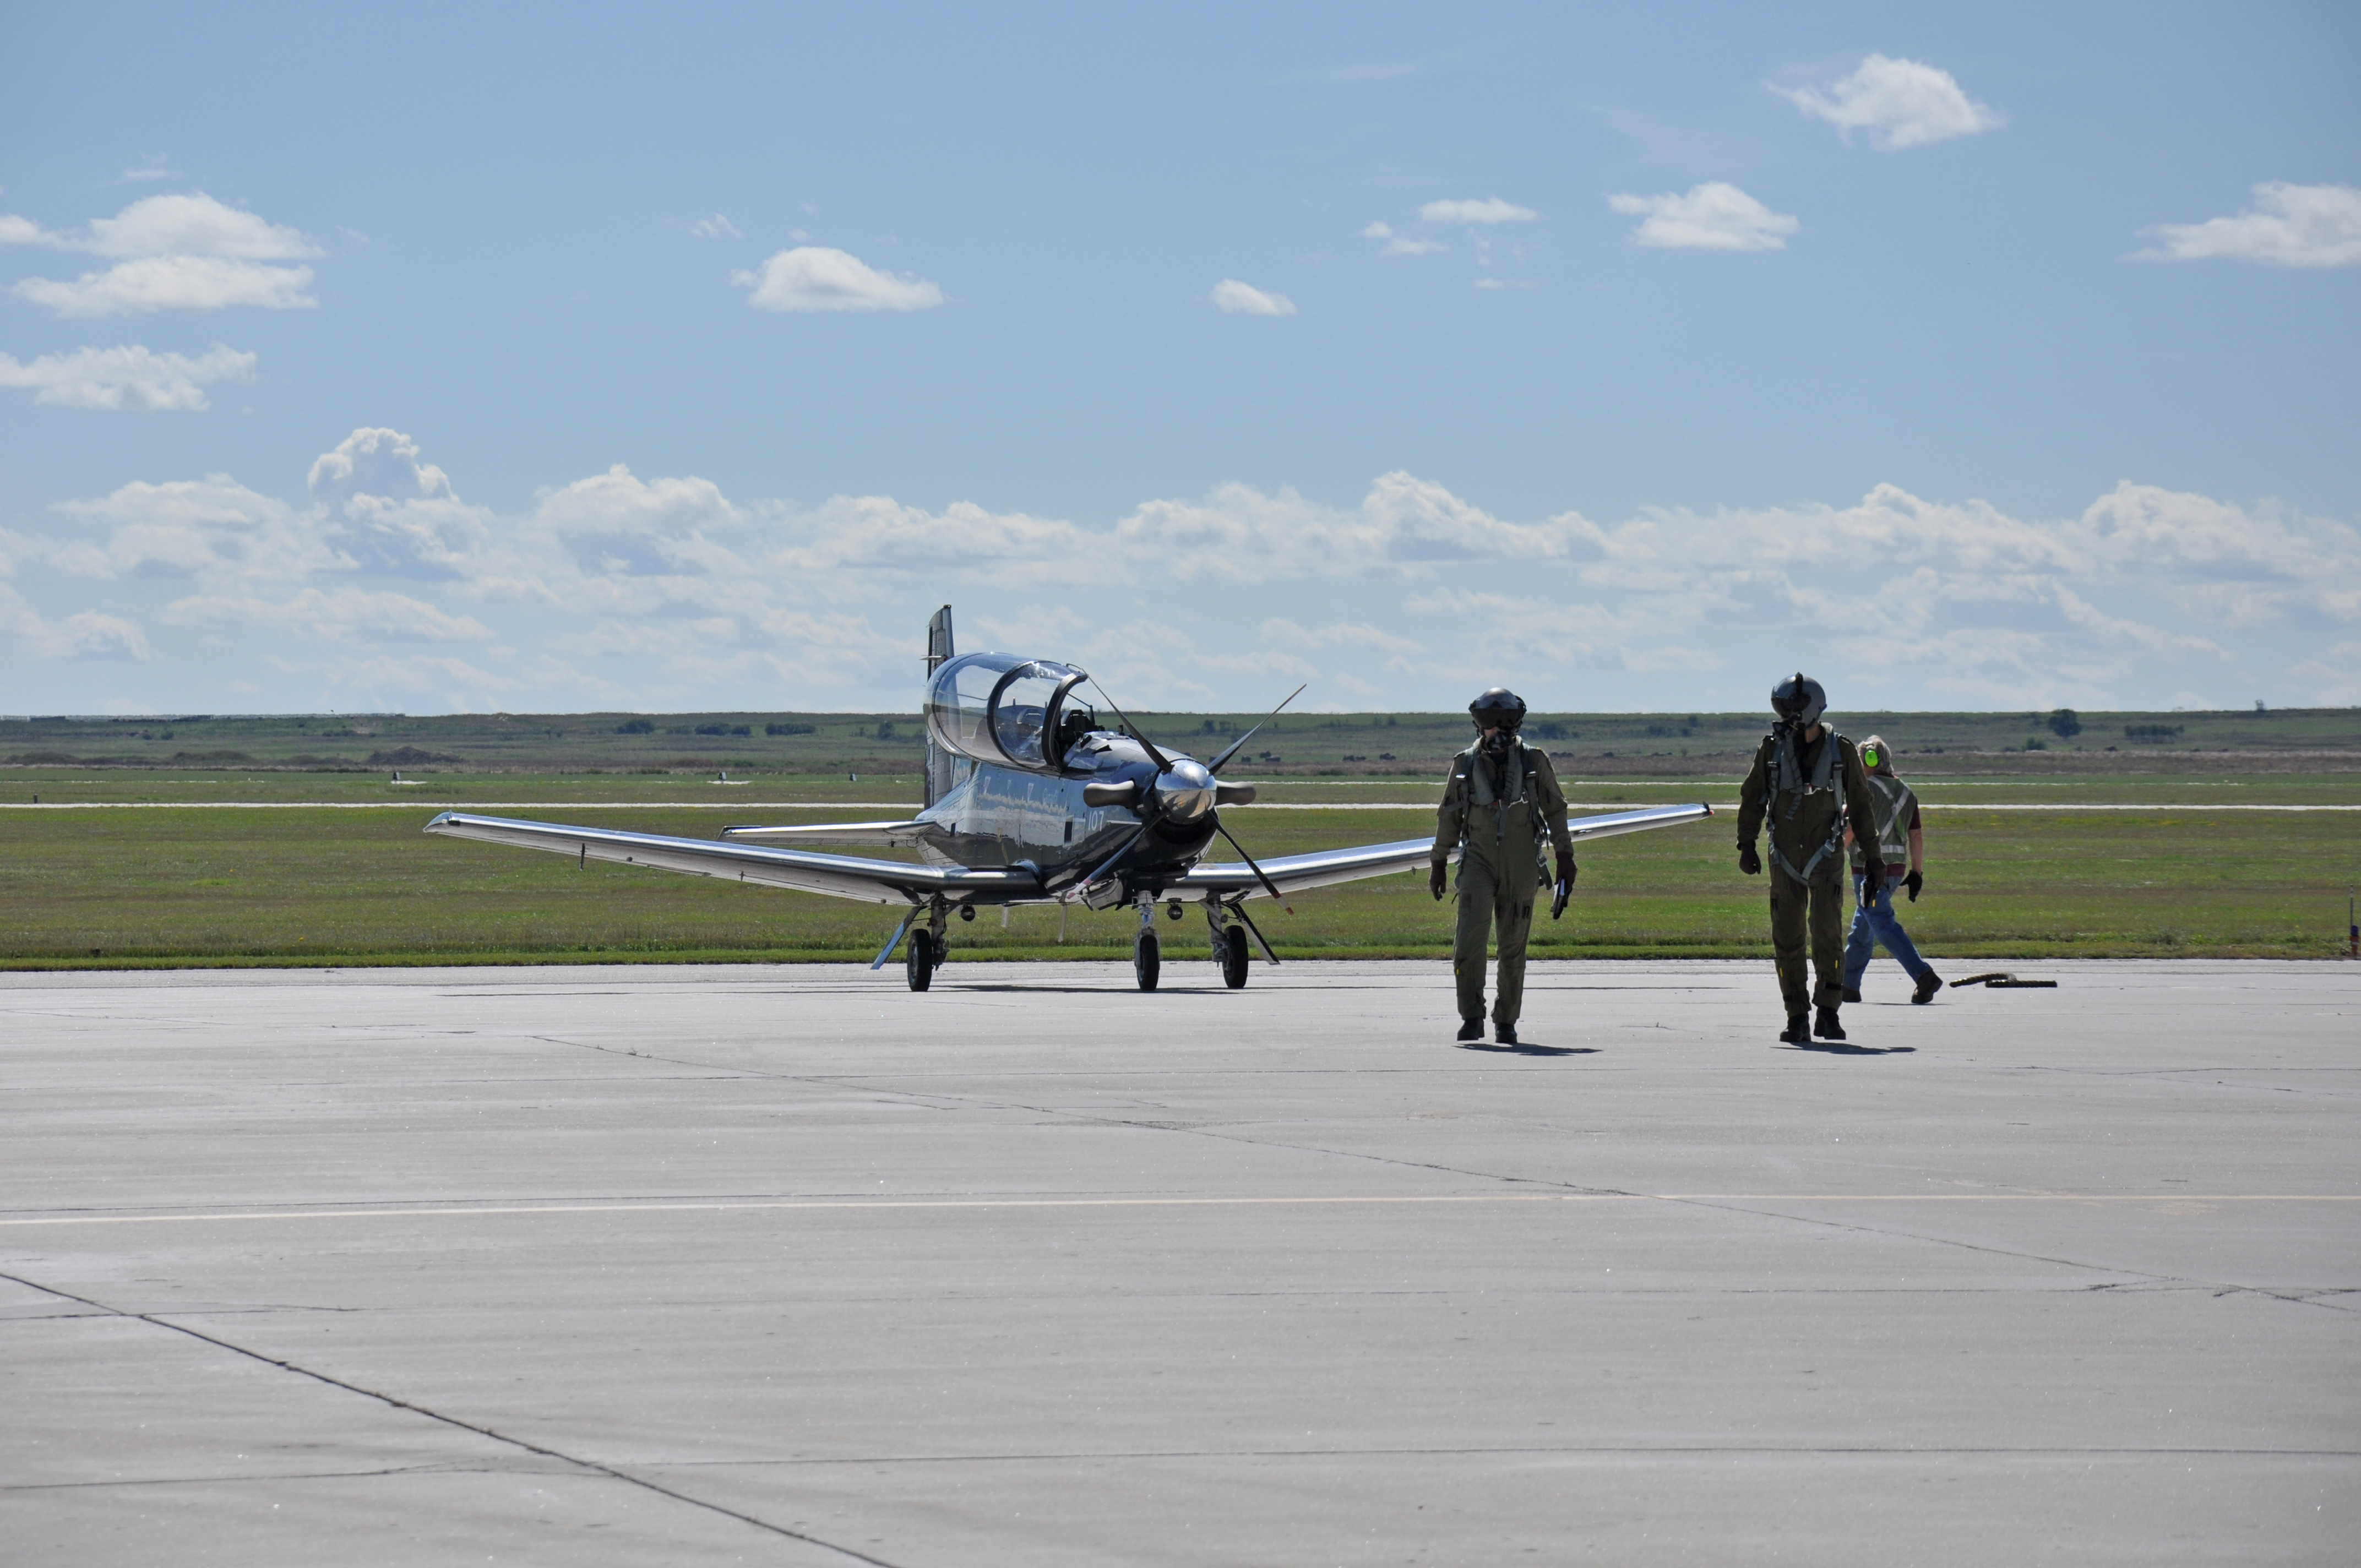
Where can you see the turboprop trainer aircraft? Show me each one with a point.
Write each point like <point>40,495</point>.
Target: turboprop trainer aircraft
<point>1029,800</point>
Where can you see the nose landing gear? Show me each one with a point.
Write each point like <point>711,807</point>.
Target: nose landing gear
<point>1147,955</point>
<point>927,949</point>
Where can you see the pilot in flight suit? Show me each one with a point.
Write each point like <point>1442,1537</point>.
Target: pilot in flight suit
<point>1501,797</point>
<point>1806,778</point>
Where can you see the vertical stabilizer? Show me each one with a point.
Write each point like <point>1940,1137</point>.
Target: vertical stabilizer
<point>939,763</point>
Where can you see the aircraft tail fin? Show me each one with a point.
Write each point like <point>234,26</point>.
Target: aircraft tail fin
<point>939,763</point>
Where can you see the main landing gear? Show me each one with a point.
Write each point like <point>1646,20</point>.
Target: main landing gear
<point>926,949</point>
<point>1229,945</point>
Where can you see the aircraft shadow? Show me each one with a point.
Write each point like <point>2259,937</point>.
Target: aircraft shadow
<point>1532,1050</point>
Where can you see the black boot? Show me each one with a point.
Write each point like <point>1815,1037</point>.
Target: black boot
<point>1799,1031</point>
<point>1928,984</point>
<point>1505,1035</point>
<point>1826,1026</point>
<point>1471,1029</point>
<point>1851,994</point>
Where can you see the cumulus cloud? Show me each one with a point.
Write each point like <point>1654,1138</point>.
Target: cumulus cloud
<point>1489,210</point>
<point>85,634</point>
<point>389,510</point>
<point>816,277</point>
<point>1900,103</point>
<point>181,252</point>
<point>1244,300</point>
<point>340,614</point>
<point>627,589</point>
<point>1711,217</point>
<point>1402,244</point>
<point>2289,226</point>
<point>126,378</point>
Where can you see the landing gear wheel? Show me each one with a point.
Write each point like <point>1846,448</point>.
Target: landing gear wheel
<point>1232,956</point>
<point>1146,958</point>
<point>919,960</point>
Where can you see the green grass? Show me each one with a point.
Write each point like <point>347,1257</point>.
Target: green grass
<point>185,885</point>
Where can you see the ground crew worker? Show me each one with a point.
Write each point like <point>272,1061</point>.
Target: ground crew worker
<point>1501,798</point>
<point>1805,778</point>
<point>1898,836</point>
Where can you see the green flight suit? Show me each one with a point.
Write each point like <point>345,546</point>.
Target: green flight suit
<point>1807,863</point>
<point>1495,812</point>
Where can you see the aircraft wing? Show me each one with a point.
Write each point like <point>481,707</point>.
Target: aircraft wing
<point>839,876</point>
<point>1293,873</point>
<point>876,835</point>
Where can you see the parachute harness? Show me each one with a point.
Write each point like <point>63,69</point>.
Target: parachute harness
<point>1789,783</point>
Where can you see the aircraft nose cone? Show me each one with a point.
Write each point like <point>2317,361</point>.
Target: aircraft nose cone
<point>1186,793</point>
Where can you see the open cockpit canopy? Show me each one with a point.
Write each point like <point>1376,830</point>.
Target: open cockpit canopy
<point>1006,709</point>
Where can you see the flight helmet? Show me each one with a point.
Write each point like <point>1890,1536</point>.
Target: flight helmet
<point>1499,709</point>
<point>1799,701</point>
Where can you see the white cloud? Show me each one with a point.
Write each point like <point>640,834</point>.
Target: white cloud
<point>338,614</point>
<point>815,278</point>
<point>1712,216</point>
<point>84,634</point>
<point>157,168</point>
<point>1900,103</point>
<point>180,253</point>
<point>1402,244</point>
<point>2289,226</point>
<point>1501,283</point>
<point>171,283</point>
<point>1489,210</point>
<point>1244,300</point>
<point>378,503</point>
<point>126,378</point>
<point>192,528</point>
<point>716,227</point>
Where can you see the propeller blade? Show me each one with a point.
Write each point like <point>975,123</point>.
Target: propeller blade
<point>894,941</point>
<point>1232,750</point>
<point>1268,886</point>
<point>1163,764</point>
<point>1119,854</point>
<point>1260,940</point>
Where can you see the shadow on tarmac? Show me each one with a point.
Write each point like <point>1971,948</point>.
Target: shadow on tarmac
<point>1530,1050</point>
<point>1841,1049</point>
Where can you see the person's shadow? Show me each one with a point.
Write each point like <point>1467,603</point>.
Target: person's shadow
<point>1846,1048</point>
<point>1524,1048</point>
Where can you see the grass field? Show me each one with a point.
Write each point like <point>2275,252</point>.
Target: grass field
<point>135,853</point>
<point>193,885</point>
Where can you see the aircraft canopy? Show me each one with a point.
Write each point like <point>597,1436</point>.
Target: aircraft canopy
<point>1004,709</point>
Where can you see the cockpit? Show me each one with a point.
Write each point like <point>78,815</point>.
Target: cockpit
<point>1009,711</point>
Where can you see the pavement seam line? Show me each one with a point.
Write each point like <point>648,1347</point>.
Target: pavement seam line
<point>590,1466</point>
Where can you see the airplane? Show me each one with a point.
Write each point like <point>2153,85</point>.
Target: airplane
<point>1029,800</point>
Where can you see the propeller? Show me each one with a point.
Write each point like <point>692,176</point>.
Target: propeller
<point>1186,789</point>
<point>1233,747</point>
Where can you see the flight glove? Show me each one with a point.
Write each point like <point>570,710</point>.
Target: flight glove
<point>1874,870</point>
<point>1566,872</point>
<point>1435,878</point>
<point>1749,861</point>
<point>1914,882</point>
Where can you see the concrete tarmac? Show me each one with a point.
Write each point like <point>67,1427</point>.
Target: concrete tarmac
<point>791,1266</point>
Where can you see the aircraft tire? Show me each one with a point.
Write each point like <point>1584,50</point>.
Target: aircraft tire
<point>1233,959</point>
<point>1147,958</point>
<point>919,960</point>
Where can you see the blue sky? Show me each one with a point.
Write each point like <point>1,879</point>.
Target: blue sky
<point>559,358</point>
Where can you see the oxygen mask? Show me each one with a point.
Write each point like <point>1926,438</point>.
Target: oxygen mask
<point>1495,742</point>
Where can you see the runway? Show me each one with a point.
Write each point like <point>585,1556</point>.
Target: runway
<point>788,1265</point>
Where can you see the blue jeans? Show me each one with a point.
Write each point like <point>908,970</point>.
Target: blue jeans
<point>1875,924</point>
